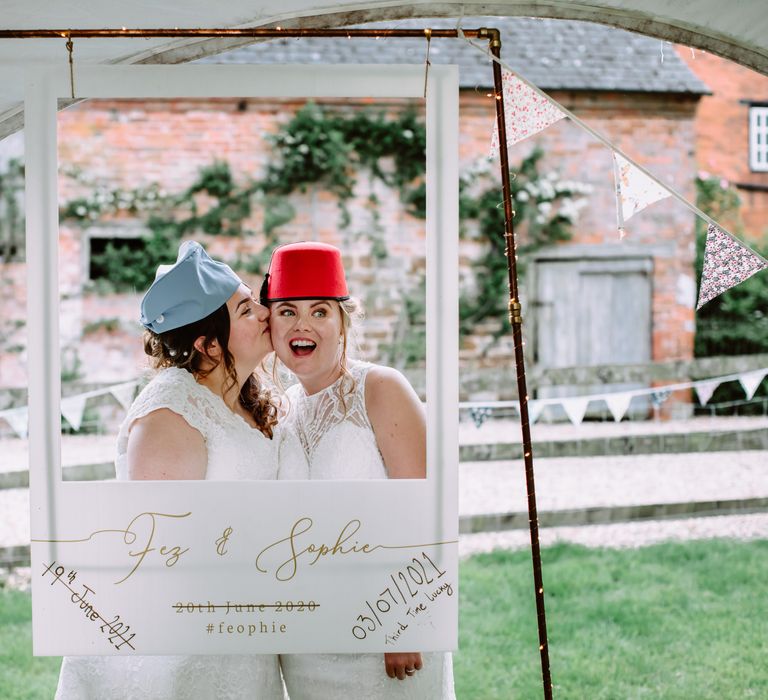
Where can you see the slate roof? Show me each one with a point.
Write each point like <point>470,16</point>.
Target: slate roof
<point>553,54</point>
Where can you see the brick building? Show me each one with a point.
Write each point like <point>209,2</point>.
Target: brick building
<point>732,135</point>
<point>592,300</point>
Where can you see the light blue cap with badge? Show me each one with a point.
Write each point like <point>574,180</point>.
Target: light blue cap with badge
<point>187,291</point>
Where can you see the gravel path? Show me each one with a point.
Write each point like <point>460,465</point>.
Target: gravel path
<point>561,483</point>
<point>624,535</point>
<point>581,482</point>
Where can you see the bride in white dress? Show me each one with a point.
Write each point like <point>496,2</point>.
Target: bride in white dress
<point>203,416</point>
<point>373,415</point>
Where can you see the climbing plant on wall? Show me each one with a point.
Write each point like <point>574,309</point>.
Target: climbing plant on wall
<point>324,149</point>
<point>317,148</point>
<point>545,209</point>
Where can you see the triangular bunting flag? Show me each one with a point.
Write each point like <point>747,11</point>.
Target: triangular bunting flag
<point>479,414</point>
<point>750,381</point>
<point>659,397</point>
<point>534,410</point>
<point>575,408</point>
<point>704,391</point>
<point>72,409</point>
<point>526,112</point>
<point>634,189</point>
<point>618,404</point>
<point>18,419</point>
<point>124,394</point>
<point>727,262</point>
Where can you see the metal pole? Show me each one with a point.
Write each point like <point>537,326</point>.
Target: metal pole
<point>255,32</point>
<point>516,321</point>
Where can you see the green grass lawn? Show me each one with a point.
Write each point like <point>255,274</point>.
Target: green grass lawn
<point>684,621</point>
<point>22,676</point>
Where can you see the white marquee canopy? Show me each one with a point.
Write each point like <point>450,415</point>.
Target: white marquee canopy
<point>739,32</point>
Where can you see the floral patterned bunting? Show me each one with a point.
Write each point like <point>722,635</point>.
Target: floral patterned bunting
<point>634,190</point>
<point>727,262</point>
<point>526,112</point>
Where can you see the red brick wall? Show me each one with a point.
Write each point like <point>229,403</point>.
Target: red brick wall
<point>722,131</point>
<point>150,142</point>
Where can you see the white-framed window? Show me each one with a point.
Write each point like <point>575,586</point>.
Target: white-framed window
<point>758,138</point>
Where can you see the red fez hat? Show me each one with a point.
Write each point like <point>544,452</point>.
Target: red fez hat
<point>305,271</point>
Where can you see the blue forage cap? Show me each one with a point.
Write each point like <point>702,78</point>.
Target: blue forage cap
<point>187,291</point>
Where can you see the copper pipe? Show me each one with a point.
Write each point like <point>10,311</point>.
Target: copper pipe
<point>255,32</point>
<point>516,321</point>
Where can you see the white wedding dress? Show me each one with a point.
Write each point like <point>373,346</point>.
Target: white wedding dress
<point>236,451</point>
<point>329,424</point>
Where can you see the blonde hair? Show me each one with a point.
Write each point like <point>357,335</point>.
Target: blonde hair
<point>351,310</point>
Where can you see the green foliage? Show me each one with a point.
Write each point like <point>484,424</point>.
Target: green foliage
<point>317,148</point>
<point>322,148</point>
<point>545,209</point>
<point>311,149</point>
<point>277,211</point>
<point>230,204</point>
<point>106,201</point>
<point>71,365</point>
<point>12,205</point>
<point>736,322</point>
<point>110,325</point>
<point>134,269</point>
<point>409,343</point>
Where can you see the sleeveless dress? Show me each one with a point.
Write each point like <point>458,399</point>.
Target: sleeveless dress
<point>236,451</point>
<point>324,422</point>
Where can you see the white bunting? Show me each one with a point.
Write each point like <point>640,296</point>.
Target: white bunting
<point>72,408</point>
<point>751,380</point>
<point>18,419</point>
<point>124,393</point>
<point>534,410</point>
<point>727,262</point>
<point>704,391</point>
<point>618,404</point>
<point>575,409</point>
<point>634,190</point>
<point>526,112</point>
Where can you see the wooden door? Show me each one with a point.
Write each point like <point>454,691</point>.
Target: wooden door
<point>591,312</point>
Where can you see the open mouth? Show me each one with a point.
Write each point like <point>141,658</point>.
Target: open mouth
<point>301,347</point>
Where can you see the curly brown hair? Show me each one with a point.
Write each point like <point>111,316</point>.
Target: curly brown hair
<point>175,348</point>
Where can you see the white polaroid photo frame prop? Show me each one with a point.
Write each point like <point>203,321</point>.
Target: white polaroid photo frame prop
<point>207,567</point>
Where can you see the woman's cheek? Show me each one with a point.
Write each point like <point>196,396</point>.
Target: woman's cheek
<point>280,346</point>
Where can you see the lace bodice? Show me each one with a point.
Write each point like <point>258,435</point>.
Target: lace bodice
<point>236,450</point>
<point>334,430</point>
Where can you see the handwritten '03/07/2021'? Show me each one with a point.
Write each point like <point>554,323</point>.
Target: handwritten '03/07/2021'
<point>417,585</point>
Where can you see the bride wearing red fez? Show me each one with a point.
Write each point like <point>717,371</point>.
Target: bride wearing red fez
<point>374,413</point>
